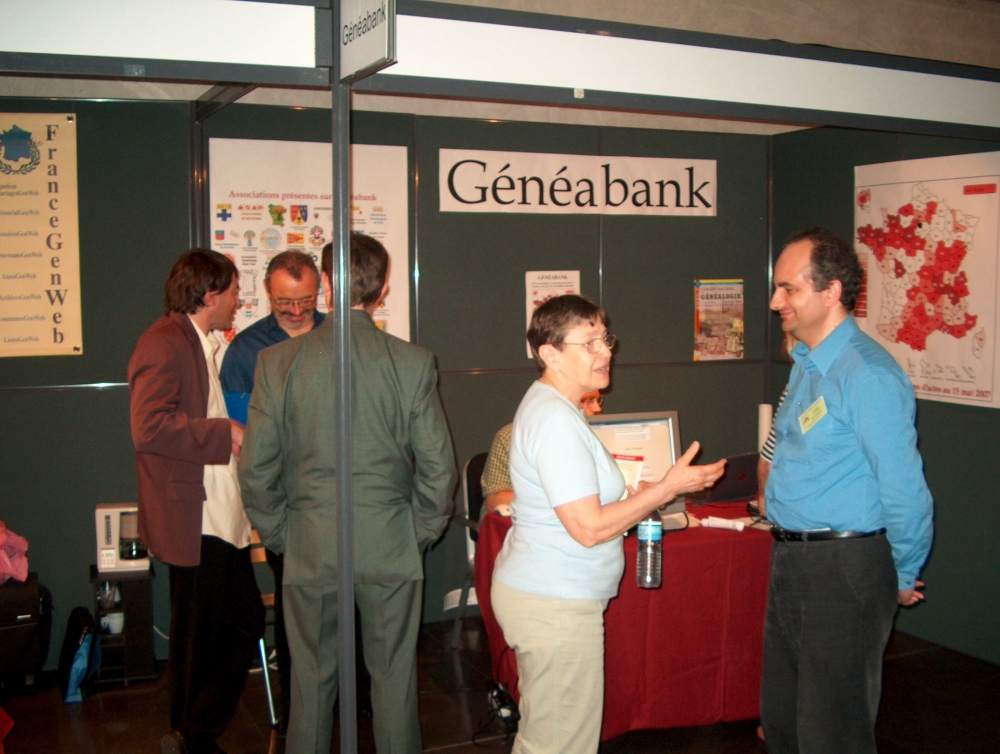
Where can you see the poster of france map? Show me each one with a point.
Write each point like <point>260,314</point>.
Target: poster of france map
<point>927,234</point>
<point>267,197</point>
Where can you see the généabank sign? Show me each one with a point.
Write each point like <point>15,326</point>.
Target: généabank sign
<point>367,35</point>
<point>570,184</point>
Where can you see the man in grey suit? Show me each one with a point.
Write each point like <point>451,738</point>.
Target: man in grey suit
<point>403,477</point>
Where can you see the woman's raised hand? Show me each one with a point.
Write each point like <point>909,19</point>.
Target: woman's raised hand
<point>683,477</point>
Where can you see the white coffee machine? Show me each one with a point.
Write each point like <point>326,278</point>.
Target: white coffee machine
<point>118,545</point>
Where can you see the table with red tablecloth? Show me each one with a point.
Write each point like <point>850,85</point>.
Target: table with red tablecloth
<point>688,653</point>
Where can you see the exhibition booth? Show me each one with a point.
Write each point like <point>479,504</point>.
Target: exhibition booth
<point>149,176</point>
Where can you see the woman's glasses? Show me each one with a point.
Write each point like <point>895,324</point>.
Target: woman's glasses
<point>594,344</point>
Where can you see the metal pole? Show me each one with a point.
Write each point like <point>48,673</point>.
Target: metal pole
<point>341,314</point>
<point>768,318</point>
<point>198,227</point>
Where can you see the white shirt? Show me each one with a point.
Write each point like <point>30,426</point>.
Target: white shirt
<point>222,513</point>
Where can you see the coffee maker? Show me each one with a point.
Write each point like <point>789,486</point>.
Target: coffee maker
<point>119,547</point>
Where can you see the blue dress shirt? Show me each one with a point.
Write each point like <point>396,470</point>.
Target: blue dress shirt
<point>240,361</point>
<point>857,468</point>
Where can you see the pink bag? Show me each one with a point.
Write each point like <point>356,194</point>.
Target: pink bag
<point>12,559</point>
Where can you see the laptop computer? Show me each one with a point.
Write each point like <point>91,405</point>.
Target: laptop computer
<point>739,482</point>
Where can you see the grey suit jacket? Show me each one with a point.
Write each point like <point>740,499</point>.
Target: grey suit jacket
<point>404,466</point>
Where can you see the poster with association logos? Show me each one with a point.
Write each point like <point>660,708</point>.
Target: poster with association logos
<point>39,236</point>
<point>273,196</point>
<point>928,234</point>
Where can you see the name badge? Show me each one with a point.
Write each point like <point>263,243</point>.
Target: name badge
<point>811,416</point>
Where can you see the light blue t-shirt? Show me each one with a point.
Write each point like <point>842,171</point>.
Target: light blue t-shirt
<point>555,458</point>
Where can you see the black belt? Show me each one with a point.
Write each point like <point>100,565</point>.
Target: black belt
<point>786,535</point>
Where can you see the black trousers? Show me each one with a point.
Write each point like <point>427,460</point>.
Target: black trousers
<point>277,563</point>
<point>217,618</point>
<point>830,607</point>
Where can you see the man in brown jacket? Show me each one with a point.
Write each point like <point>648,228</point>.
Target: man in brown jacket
<point>190,512</point>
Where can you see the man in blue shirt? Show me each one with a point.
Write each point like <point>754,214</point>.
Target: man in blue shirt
<point>851,509</point>
<point>292,286</point>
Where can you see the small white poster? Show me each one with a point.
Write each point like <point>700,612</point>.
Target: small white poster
<point>539,287</point>
<point>271,196</point>
<point>927,234</point>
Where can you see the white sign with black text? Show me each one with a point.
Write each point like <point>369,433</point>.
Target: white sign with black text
<point>570,184</point>
<point>540,286</point>
<point>367,34</point>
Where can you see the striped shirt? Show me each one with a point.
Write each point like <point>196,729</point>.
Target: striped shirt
<point>767,452</point>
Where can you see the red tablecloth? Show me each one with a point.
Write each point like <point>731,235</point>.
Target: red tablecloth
<point>688,653</point>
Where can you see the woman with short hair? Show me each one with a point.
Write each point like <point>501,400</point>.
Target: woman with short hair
<point>563,558</point>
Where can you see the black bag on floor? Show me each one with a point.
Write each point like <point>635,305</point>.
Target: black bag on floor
<point>25,626</point>
<point>81,654</point>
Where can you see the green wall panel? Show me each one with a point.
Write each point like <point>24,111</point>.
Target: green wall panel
<point>472,292</point>
<point>468,308</point>
<point>717,406</point>
<point>651,263</point>
<point>814,185</point>
<point>472,265</point>
<point>133,174</point>
<point>72,449</point>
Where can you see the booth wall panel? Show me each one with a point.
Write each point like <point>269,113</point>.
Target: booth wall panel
<point>814,185</point>
<point>468,308</point>
<point>476,405</point>
<point>133,178</point>
<point>716,404</point>
<point>64,452</point>
<point>68,450</point>
<point>472,265</point>
<point>269,122</point>
<point>651,263</point>
<point>471,297</point>
<point>472,292</point>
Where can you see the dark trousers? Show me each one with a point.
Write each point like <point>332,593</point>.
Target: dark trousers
<point>830,607</point>
<point>277,563</point>
<point>217,618</point>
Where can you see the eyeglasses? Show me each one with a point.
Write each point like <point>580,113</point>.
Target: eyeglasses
<point>594,344</point>
<point>302,303</point>
<point>598,399</point>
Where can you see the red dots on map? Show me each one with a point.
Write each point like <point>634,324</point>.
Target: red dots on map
<point>935,296</point>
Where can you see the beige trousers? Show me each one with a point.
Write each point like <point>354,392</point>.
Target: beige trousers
<point>559,646</point>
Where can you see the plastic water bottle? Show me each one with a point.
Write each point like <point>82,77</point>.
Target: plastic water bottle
<point>649,558</point>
